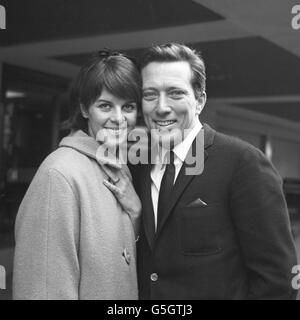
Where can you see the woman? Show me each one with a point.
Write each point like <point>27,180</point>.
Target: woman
<point>74,240</point>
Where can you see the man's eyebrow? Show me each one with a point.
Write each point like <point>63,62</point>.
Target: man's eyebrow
<point>176,87</point>
<point>167,88</point>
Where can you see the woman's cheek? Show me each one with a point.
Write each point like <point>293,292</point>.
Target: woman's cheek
<point>131,120</point>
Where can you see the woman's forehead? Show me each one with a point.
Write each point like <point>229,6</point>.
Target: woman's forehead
<point>106,95</point>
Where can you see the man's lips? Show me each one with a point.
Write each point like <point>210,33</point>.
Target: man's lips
<point>164,123</point>
<point>116,128</point>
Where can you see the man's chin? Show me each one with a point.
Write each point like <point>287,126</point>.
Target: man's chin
<point>167,139</point>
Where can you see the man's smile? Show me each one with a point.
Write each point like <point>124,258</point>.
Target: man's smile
<point>164,123</point>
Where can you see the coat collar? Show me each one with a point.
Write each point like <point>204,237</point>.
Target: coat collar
<point>88,146</point>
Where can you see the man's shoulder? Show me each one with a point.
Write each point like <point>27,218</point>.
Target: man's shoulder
<point>239,158</point>
<point>232,143</point>
<point>235,149</point>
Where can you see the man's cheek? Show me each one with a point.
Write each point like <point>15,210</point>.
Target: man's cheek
<point>147,108</point>
<point>180,109</point>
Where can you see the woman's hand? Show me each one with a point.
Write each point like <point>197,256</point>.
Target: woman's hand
<point>122,188</point>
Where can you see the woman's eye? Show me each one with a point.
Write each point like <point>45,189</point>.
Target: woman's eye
<point>150,95</point>
<point>104,106</point>
<point>129,107</point>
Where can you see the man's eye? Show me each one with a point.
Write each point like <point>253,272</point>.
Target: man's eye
<point>149,95</point>
<point>129,107</point>
<point>176,94</point>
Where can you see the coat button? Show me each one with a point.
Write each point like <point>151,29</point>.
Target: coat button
<point>126,256</point>
<point>154,277</point>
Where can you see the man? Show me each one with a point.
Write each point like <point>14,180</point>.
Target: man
<point>223,233</point>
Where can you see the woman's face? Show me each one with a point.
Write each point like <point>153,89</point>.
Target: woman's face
<point>110,119</point>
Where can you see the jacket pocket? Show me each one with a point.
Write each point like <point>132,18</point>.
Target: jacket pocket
<point>199,230</point>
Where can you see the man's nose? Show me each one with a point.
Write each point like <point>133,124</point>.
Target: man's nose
<point>163,106</point>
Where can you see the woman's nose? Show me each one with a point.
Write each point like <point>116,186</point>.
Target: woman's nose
<point>117,116</point>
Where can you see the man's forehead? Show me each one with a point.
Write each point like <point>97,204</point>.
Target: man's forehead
<point>175,72</point>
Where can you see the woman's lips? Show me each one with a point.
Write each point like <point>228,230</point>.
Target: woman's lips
<point>116,130</point>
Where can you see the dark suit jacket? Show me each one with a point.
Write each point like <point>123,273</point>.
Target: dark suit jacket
<point>239,246</point>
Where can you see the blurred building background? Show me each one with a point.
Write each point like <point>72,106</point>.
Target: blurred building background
<point>251,51</point>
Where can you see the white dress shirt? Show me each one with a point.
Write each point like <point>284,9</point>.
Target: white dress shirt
<point>158,169</point>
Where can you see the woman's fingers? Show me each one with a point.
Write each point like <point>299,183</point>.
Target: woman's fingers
<point>112,187</point>
<point>114,175</point>
<point>124,174</point>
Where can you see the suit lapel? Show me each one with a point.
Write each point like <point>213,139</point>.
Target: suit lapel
<point>146,199</point>
<point>205,139</point>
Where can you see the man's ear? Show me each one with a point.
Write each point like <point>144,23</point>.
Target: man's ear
<point>200,103</point>
<point>83,111</point>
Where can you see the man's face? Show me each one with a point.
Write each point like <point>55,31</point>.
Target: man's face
<point>169,102</point>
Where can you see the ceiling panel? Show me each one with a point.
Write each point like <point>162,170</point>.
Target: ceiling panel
<point>240,67</point>
<point>42,20</point>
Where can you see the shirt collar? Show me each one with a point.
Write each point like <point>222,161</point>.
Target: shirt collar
<point>180,150</point>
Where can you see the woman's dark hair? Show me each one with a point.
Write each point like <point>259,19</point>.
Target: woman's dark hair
<point>113,71</point>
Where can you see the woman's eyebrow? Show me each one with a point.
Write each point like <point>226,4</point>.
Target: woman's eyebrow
<point>108,101</point>
<point>130,101</point>
<point>149,88</point>
<point>103,100</point>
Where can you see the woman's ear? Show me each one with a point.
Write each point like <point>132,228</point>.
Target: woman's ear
<point>201,103</point>
<point>83,111</point>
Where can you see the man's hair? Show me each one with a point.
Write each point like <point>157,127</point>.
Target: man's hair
<point>112,71</point>
<point>172,52</point>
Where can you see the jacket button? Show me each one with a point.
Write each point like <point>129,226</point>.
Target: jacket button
<point>154,277</point>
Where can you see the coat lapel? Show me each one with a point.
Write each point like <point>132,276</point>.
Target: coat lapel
<point>205,139</point>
